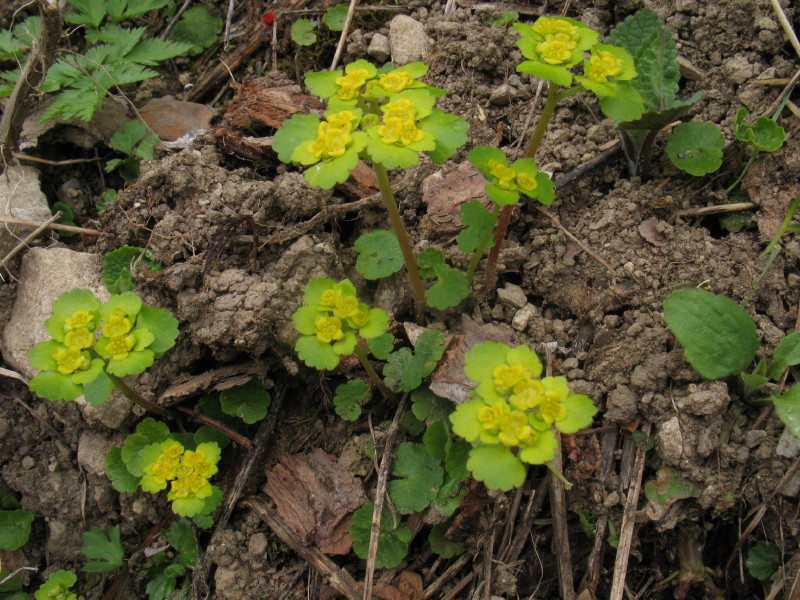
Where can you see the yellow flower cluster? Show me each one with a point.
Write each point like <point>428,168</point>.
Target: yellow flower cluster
<point>399,124</point>
<point>560,39</point>
<point>116,329</point>
<point>510,426</point>
<point>328,329</point>
<point>333,135</point>
<point>77,336</point>
<point>351,83</point>
<point>527,393</point>
<point>603,65</point>
<point>187,471</point>
<point>396,81</point>
<point>505,176</point>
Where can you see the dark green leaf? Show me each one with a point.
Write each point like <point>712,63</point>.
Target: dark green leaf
<point>379,254</point>
<point>350,397</point>
<point>504,18</point>
<point>428,260</point>
<point>787,407</point>
<point>15,528</point>
<point>787,354</point>
<point>412,424</point>
<point>437,440</point>
<point>696,147</point>
<point>392,540</point>
<point>381,346</point>
<point>441,545</point>
<point>763,560</point>
<point>451,287</point>
<point>198,27</point>
<point>427,406</point>
<point>121,478</point>
<point>249,402</point>
<point>405,370</point>
<point>106,547</point>
<point>302,32</point>
<point>420,477</point>
<point>181,537</point>
<point>478,221</point>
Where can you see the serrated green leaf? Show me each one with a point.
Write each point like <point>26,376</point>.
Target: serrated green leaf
<point>316,354</point>
<point>249,402</point>
<point>181,537</point>
<point>198,27</point>
<point>57,587</point>
<point>160,585</point>
<point>449,497</point>
<point>477,221</point>
<point>763,559</point>
<point>335,16</point>
<point>441,545</point>
<point>379,254</point>
<point>451,287</point>
<point>350,397</point>
<point>15,528</point>
<point>718,336</point>
<point>427,406</point>
<point>126,139</point>
<point>155,50</point>
<point>456,461</point>
<point>787,407</point>
<point>163,326</point>
<point>411,423</point>
<point>496,467</point>
<point>405,370</point>
<point>381,346</point>
<point>54,386</point>
<point>696,147</point>
<point>392,540</point>
<point>787,354</point>
<point>420,477</point>
<point>116,269</point>
<point>90,12</point>
<point>302,32</point>
<point>105,547</point>
<point>428,260</point>
<point>121,478</point>
<point>636,30</point>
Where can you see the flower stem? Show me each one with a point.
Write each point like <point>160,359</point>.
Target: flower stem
<point>361,353</point>
<point>137,399</point>
<point>396,220</point>
<point>553,96</point>
<point>476,258</point>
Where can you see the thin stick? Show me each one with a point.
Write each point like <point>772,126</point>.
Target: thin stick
<point>54,163</point>
<point>787,26</point>
<point>628,523</point>
<point>343,38</point>
<point>558,507</point>
<point>32,235</point>
<point>50,225</point>
<point>228,20</point>
<point>222,428</point>
<point>380,493</point>
<point>338,578</point>
<point>447,575</point>
<point>712,210</point>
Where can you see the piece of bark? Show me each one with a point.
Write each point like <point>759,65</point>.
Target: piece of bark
<point>444,194</point>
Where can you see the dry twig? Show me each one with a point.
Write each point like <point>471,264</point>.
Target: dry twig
<point>345,30</point>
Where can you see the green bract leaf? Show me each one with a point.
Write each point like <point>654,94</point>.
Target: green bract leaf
<point>54,386</point>
<point>249,402</point>
<point>696,147</point>
<point>392,540</point>
<point>441,545</point>
<point>293,132</point>
<point>625,105</point>
<point>449,132</point>
<point>451,287</point>
<point>316,354</point>
<point>148,432</point>
<point>96,392</point>
<point>15,528</point>
<point>335,16</point>
<point>121,478</point>
<point>379,254</point>
<point>787,354</point>
<point>404,370</point>
<point>580,411</point>
<point>106,547</point>
<point>66,305</point>
<point>302,32</point>
<point>787,407</point>
<point>465,419</point>
<point>718,336</point>
<point>478,221</point>
<point>198,27</point>
<point>765,135</point>
<point>328,173</point>
<point>420,475</point>
<point>496,467</point>
<point>350,397</point>
<point>428,260</point>
<point>162,325</point>
<point>763,560</point>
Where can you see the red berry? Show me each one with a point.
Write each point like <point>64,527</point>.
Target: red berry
<point>269,18</point>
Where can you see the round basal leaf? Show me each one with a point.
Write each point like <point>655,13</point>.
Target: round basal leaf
<point>54,386</point>
<point>162,325</point>
<point>15,528</point>
<point>121,478</point>
<point>465,420</point>
<point>427,406</point>
<point>379,254</point>
<point>764,135</point>
<point>350,397</point>
<point>450,495</point>
<point>392,540</point>
<point>763,560</point>
<point>787,407</point>
<point>717,335</point>
<point>456,461</point>
<point>436,440</point>
<point>696,147</point>
<point>335,16</point>
<point>420,477</point>
<point>441,545</point>
<point>451,287</point>
<point>249,402</point>
<point>302,32</point>
<point>496,467</point>
<point>316,354</point>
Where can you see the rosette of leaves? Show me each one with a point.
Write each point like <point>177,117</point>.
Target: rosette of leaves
<point>332,320</point>
<point>513,413</point>
<point>77,361</point>
<point>507,182</point>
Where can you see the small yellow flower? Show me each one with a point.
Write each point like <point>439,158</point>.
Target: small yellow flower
<point>492,417</point>
<point>396,130</point>
<point>343,120</point>
<point>330,297</point>
<point>346,307</point>
<point>331,141</point>
<point>402,109</point>
<point>396,81</point>
<point>545,26</point>
<point>80,319</point>
<point>515,430</point>
<point>198,463</point>
<point>179,488</point>
<point>119,346</point>
<point>526,183</point>
<point>351,83</point>
<point>550,407</point>
<point>527,395</point>
<point>329,329</point>
<point>79,338</point>
<point>603,65</point>
<point>554,51</point>
<point>502,173</point>
<point>506,377</point>
<point>70,359</point>
<point>361,317</point>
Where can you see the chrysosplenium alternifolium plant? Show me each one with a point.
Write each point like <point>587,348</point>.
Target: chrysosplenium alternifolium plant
<point>511,417</point>
<point>95,344</point>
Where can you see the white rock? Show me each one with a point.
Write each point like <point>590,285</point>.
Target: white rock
<point>522,317</point>
<point>379,48</point>
<point>408,40</point>
<point>21,197</point>
<point>513,295</point>
<point>788,445</point>
<point>92,449</point>
<point>669,441</point>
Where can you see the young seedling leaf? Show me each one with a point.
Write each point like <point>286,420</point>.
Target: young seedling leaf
<point>67,217</point>
<point>441,545</point>
<point>763,560</point>
<point>428,260</point>
<point>427,406</point>
<point>667,489</point>
<point>392,540</point>
<point>15,528</point>
<point>302,32</point>
<point>787,407</point>
<point>477,221</point>
<point>249,402</point>
<point>405,370</point>
<point>696,147</point>
<point>717,335</point>
<point>787,354</point>
<point>105,547</point>
<point>182,539</point>
<point>124,140</point>
<point>420,477</point>
<point>449,497</point>
<point>381,346</point>
<point>121,478</point>
<point>765,135</point>
<point>335,16</point>
<point>451,287</point>
<point>379,254</point>
<point>57,587</point>
<point>350,397</point>
<point>161,584</point>
<point>504,18</point>
<point>198,27</point>
<point>117,268</point>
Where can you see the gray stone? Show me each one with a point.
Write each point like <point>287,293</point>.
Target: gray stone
<point>257,545</point>
<point>20,197</point>
<point>379,48</point>
<point>669,441</point>
<point>522,317</point>
<point>621,405</point>
<point>705,399</point>
<point>513,295</point>
<point>788,445</point>
<point>502,95</point>
<point>738,69</point>
<point>64,540</point>
<point>408,40</point>
<point>92,449</point>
